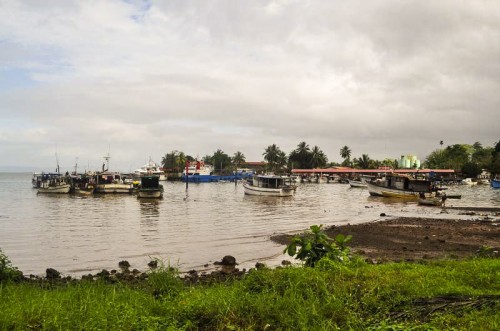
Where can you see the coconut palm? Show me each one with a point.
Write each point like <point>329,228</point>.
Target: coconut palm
<point>318,158</point>
<point>274,156</point>
<point>238,158</point>
<point>345,153</point>
<point>364,162</point>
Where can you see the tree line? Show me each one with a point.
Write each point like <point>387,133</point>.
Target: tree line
<point>470,159</point>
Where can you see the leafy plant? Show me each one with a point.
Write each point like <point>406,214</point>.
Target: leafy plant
<point>315,245</point>
<point>7,271</point>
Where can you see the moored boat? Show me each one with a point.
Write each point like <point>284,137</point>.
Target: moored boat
<point>151,169</point>
<point>399,186</point>
<point>430,202</point>
<point>357,183</point>
<point>111,182</point>
<point>150,187</point>
<point>495,182</point>
<point>270,185</point>
<point>53,183</point>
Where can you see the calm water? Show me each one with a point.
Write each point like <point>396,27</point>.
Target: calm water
<point>189,229</point>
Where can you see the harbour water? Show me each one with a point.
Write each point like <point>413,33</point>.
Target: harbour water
<point>188,229</point>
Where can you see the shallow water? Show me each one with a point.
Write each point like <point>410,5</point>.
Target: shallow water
<point>188,229</point>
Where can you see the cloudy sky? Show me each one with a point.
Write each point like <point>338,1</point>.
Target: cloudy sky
<point>138,79</point>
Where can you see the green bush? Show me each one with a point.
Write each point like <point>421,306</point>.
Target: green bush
<point>7,271</point>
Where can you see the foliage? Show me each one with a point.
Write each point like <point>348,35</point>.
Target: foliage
<point>315,245</point>
<point>364,162</point>
<point>7,271</point>
<point>471,169</point>
<point>275,158</point>
<point>221,161</point>
<point>238,158</point>
<point>175,160</point>
<point>305,158</point>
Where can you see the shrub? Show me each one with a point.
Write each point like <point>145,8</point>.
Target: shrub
<point>7,271</point>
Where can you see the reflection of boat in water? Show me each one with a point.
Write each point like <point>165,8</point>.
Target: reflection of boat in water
<point>430,202</point>
<point>270,185</point>
<point>150,187</point>
<point>399,186</point>
<point>151,169</point>
<point>53,183</point>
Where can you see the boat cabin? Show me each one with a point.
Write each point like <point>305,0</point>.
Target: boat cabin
<point>406,183</point>
<point>150,182</point>
<point>271,181</point>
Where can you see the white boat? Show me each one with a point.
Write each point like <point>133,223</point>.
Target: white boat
<point>399,186</point>
<point>53,183</point>
<point>151,169</point>
<point>269,185</point>
<point>468,181</point>
<point>357,183</point>
<point>150,187</point>
<point>111,182</point>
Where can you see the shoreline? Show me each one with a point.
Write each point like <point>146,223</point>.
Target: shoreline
<point>418,238</point>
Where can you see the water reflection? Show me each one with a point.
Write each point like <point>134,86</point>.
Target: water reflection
<point>194,227</point>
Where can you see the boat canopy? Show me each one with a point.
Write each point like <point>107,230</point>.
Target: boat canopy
<point>150,181</point>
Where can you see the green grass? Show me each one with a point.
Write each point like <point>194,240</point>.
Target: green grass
<point>330,296</point>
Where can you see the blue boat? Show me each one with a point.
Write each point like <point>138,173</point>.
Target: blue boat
<point>495,183</point>
<point>199,172</point>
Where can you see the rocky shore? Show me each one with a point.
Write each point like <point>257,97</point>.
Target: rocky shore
<point>410,238</point>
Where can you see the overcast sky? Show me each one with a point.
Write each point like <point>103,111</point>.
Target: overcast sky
<point>138,79</point>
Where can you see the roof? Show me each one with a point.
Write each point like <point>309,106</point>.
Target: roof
<point>344,170</point>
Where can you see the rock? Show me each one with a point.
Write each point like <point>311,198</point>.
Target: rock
<point>227,260</point>
<point>382,214</point>
<point>286,262</point>
<point>124,264</point>
<point>259,265</point>
<point>153,264</point>
<point>51,273</point>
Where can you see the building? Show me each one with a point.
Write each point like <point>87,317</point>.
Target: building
<point>409,162</point>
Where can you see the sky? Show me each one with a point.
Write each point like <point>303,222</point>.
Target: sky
<point>138,79</point>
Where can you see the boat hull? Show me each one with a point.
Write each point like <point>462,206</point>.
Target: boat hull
<point>430,202</point>
<point>114,188</point>
<point>357,184</point>
<point>59,189</point>
<point>270,192</point>
<point>149,194</point>
<point>495,183</point>
<point>387,192</point>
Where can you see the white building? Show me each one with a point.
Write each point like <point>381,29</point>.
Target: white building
<point>409,162</point>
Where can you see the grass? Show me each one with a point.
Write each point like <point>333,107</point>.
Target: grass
<point>393,296</point>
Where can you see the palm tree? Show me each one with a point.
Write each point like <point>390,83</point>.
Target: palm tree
<point>345,153</point>
<point>238,158</point>
<point>441,143</point>
<point>318,158</point>
<point>302,154</point>
<point>273,155</point>
<point>364,162</point>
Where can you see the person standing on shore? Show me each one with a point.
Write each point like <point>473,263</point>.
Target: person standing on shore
<point>443,200</point>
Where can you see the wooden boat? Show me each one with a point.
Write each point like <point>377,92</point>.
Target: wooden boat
<point>269,185</point>
<point>150,187</point>
<point>82,184</point>
<point>111,182</point>
<point>400,186</point>
<point>53,183</point>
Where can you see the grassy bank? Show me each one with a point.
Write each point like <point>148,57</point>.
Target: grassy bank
<point>436,295</point>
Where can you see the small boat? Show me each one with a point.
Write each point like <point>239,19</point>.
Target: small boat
<point>357,183</point>
<point>468,181</point>
<point>495,183</point>
<point>269,185</point>
<point>53,183</point>
<point>150,187</point>
<point>430,202</point>
<point>111,182</point>
<point>400,186</point>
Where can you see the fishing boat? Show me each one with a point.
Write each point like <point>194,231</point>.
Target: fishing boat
<point>82,184</point>
<point>400,186</point>
<point>111,182</point>
<point>468,181</point>
<point>53,183</point>
<point>495,183</point>
<point>150,187</point>
<point>151,169</point>
<point>269,185</point>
